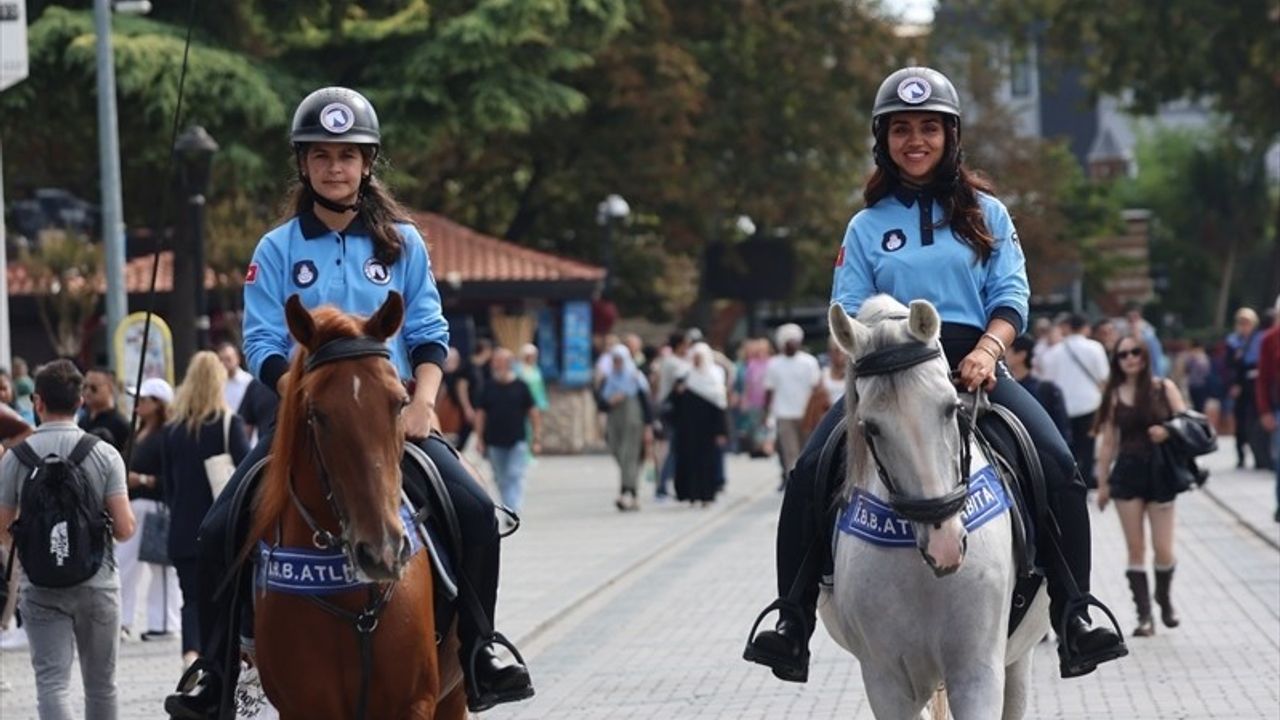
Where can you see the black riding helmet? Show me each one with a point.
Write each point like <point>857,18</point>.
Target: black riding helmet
<point>915,89</point>
<point>335,114</point>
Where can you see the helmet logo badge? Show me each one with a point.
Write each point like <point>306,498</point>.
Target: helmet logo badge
<point>337,118</point>
<point>914,90</point>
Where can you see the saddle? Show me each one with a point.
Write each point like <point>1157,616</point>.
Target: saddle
<point>1009,449</point>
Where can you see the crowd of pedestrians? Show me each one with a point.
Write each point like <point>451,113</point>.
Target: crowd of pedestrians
<point>154,506</point>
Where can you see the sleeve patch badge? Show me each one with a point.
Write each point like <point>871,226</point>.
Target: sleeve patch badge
<point>840,257</point>
<point>251,275</point>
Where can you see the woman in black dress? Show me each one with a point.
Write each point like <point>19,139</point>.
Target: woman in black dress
<point>698,402</point>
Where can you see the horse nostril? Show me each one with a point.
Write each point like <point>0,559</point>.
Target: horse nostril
<point>365,555</point>
<point>406,549</point>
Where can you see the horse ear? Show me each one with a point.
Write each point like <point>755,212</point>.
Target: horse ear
<point>386,321</point>
<point>849,334</point>
<point>923,323</point>
<point>301,325</point>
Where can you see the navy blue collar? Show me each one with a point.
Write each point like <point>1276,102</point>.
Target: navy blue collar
<point>908,195</point>
<point>312,227</point>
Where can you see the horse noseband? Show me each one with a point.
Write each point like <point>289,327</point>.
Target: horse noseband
<point>932,511</point>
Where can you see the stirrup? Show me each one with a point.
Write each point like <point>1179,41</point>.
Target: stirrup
<point>791,669</point>
<point>1080,665</point>
<point>508,521</point>
<point>484,702</point>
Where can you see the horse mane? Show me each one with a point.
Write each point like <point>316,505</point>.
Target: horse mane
<point>291,419</point>
<point>887,319</point>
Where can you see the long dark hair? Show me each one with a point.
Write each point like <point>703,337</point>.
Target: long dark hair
<point>378,208</point>
<point>955,187</point>
<point>1143,401</point>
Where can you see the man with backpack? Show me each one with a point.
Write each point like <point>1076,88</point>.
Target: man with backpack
<point>62,498</point>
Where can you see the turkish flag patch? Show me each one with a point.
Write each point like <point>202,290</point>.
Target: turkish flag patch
<point>251,275</point>
<point>840,257</point>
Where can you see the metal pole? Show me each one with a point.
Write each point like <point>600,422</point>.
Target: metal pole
<point>608,256</point>
<point>197,237</point>
<point>109,167</point>
<point>6,350</point>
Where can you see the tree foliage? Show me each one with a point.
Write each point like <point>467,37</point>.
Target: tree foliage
<point>68,272</point>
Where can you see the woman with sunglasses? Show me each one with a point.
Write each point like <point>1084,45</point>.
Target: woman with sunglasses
<point>1129,422</point>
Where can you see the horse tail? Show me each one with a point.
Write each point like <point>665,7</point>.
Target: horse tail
<point>939,709</point>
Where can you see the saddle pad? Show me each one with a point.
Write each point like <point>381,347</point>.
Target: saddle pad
<point>309,571</point>
<point>871,519</point>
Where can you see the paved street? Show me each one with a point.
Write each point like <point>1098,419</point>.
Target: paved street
<point>644,615</point>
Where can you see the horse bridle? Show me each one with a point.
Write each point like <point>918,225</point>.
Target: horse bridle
<point>345,348</point>
<point>366,620</point>
<point>933,511</point>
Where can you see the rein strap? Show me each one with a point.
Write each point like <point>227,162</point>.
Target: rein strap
<point>346,348</point>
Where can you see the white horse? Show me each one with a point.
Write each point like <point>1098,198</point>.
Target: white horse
<point>915,625</point>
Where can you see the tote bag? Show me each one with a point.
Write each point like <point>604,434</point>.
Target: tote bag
<point>219,468</point>
<point>154,546</point>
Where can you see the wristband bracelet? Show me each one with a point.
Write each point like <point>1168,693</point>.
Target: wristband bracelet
<point>999,343</point>
<point>989,351</point>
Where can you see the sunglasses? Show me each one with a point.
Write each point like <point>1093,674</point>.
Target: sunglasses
<point>1122,354</point>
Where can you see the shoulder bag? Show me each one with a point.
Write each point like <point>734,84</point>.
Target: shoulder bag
<point>219,468</point>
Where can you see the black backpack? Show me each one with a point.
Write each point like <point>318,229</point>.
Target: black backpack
<point>61,534</point>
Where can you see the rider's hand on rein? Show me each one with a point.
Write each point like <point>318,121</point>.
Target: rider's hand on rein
<point>420,418</point>
<point>978,368</point>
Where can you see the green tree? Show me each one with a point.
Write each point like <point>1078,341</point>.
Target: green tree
<point>68,282</point>
<point>1152,53</point>
<point>1209,196</point>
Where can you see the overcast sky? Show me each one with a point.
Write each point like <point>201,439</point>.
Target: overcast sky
<point>916,11</point>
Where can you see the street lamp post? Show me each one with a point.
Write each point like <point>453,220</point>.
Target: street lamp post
<point>195,149</point>
<point>610,210</point>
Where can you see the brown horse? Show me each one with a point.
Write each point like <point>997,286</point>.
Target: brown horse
<point>333,485</point>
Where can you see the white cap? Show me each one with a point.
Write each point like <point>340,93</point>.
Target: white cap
<point>790,332</point>
<point>155,388</point>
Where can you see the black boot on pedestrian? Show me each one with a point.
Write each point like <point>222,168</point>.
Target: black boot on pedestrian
<point>785,649</point>
<point>491,680</point>
<point>1168,616</point>
<point>1083,647</point>
<point>1142,602</point>
<point>198,696</point>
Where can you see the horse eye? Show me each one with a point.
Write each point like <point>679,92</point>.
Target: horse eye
<point>872,428</point>
<point>952,410</point>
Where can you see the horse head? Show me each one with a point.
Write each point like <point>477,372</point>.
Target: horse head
<point>903,430</point>
<point>341,419</point>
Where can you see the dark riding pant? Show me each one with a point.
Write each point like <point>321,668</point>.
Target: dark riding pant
<point>798,524</point>
<point>218,546</point>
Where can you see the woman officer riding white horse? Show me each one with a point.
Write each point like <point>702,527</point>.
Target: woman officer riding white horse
<point>932,230</point>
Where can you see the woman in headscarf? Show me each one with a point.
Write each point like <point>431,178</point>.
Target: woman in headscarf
<point>625,391</point>
<point>698,403</point>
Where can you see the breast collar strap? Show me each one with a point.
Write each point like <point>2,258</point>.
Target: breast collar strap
<point>345,349</point>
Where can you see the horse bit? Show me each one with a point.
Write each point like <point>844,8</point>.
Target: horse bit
<point>933,511</point>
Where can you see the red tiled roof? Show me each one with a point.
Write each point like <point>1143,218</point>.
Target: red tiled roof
<point>137,276</point>
<point>480,258</point>
<point>454,249</point>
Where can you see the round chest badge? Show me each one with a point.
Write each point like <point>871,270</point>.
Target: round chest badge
<point>376,271</point>
<point>337,118</point>
<point>914,90</point>
<point>893,241</point>
<point>304,273</point>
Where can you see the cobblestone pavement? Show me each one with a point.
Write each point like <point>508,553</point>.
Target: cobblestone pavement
<point>644,615</point>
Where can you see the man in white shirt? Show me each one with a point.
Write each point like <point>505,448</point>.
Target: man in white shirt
<point>1078,366</point>
<point>789,380</point>
<point>238,378</point>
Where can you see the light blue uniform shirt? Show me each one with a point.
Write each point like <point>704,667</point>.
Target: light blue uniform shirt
<point>326,267</point>
<point>888,249</point>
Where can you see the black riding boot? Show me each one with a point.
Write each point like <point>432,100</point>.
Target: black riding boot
<point>1164,579</point>
<point>801,557</point>
<point>490,680</point>
<point>1141,602</point>
<point>1082,646</point>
